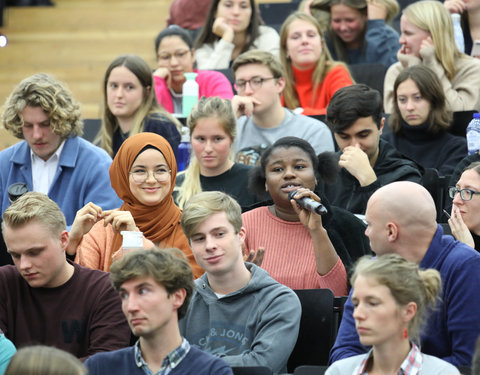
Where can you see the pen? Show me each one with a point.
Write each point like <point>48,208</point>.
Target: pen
<point>446,213</point>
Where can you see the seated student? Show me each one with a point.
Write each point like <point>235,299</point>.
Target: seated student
<point>261,119</point>
<point>45,360</point>
<point>464,221</point>
<point>420,119</point>
<point>178,13</point>
<point>232,27</point>
<point>176,56</point>
<point>130,106</point>
<point>52,159</point>
<point>358,30</point>
<point>155,287</point>
<point>303,250</point>
<point>427,39</point>
<point>367,162</point>
<point>48,300</point>
<point>401,219</point>
<point>213,129</point>
<point>311,75</point>
<point>143,175</point>
<point>7,350</point>
<point>238,311</point>
<point>391,299</point>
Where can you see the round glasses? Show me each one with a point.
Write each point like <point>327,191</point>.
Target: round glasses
<point>141,175</point>
<point>465,194</point>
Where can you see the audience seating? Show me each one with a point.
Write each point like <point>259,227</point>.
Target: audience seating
<point>318,328</point>
<point>230,76</point>
<point>91,126</point>
<point>273,14</point>
<point>254,370</point>
<point>310,370</point>
<point>372,75</point>
<point>437,186</point>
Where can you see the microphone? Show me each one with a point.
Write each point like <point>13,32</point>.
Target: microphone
<point>308,203</point>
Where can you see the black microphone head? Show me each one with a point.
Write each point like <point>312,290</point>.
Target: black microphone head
<point>291,194</point>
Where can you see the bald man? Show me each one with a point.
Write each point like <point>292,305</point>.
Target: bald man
<point>401,220</point>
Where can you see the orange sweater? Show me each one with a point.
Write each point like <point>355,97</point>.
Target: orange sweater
<point>95,250</point>
<point>335,79</point>
<point>289,255</point>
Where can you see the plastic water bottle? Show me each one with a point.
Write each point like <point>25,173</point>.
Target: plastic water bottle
<point>189,93</point>
<point>473,134</point>
<point>184,150</point>
<point>458,32</point>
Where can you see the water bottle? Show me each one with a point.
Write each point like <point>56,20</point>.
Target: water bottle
<point>473,134</point>
<point>458,32</point>
<point>189,93</point>
<point>184,150</point>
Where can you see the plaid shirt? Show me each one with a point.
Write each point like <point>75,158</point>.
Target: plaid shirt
<point>171,361</point>
<point>410,366</point>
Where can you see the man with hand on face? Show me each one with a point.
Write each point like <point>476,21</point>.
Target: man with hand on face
<point>45,299</point>
<point>155,287</point>
<point>366,162</point>
<point>261,117</point>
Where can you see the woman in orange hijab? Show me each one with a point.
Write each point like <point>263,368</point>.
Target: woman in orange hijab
<point>143,176</point>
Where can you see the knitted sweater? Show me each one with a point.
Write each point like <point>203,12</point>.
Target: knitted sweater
<point>95,251</point>
<point>462,91</point>
<point>335,79</point>
<point>299,271</point>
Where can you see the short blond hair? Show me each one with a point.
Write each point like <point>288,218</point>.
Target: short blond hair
<point>256,56</point>
<point>203,205</point>
<point>36,207</point>
<point>52,96</point>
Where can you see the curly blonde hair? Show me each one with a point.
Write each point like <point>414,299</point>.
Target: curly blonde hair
<point>44,91</point>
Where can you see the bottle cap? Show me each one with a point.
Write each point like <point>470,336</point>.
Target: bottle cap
<point>476,115</point>
<point>190,75</point>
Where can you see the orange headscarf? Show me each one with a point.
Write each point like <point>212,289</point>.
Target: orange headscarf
<point>160,223</point>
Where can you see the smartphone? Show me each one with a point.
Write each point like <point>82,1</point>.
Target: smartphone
<point>476,48</point>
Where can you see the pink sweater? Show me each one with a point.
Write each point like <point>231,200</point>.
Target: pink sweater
<point>210,83</point>
<point>289,256</point>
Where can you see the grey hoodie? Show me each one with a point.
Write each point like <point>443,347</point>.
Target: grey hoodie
<point>254,326</point>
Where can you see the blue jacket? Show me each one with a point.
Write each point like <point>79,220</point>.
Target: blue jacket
<point>122,361</point>
<point>82,176</point>
<point>452,329</point>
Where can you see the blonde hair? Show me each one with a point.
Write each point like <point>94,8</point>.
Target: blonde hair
<point>432,16</point>
<point>222,110</point>
<point>148,107</point>
<point>36,207</point>
<point>45,360</point>
<point>203,205</point>
<point>52,96</point>
<point>406,282</point>
<point>324,64</point>
<point>256,56</point>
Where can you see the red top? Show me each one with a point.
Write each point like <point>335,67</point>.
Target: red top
<point>335,79</point>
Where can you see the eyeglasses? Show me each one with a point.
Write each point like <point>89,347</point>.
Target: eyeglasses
<point>141,175</point>
<point>465,194</point>
<point>179,55</point>
<point>255,83</point>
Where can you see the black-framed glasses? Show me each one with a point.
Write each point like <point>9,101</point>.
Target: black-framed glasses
<point>141,175</point>
<point>465,194</point>
<point>255,83</point>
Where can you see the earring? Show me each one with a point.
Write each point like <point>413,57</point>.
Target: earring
<point>405,333</point>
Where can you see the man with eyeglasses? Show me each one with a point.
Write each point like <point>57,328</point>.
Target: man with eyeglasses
<point>401,219</point>
<point>261,117</point>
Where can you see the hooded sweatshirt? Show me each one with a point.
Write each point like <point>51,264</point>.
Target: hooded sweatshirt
<point>256,325</point>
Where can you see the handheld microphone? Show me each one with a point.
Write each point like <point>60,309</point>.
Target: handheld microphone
<point>308,203</point>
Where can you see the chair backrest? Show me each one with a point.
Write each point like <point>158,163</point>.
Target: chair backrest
<point>252,370</point>
<point>273,14</point>
<point>310,370</point>
<point>372,75</point>
<point>317,329</point>
<point>460,122</point>
<point>91,127</point>
<point>437,186</point>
